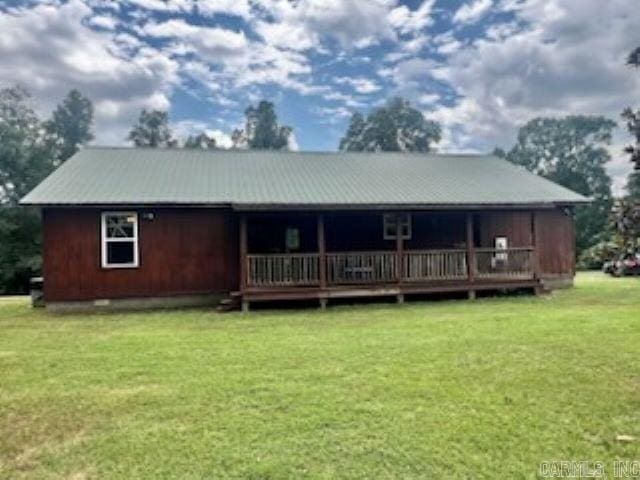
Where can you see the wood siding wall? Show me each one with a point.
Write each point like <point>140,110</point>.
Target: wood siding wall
<point>555,239</point>
<point>182,251</point>
<point>195,251</point>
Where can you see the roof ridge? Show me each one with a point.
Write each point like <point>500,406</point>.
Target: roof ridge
<point>287,152</point>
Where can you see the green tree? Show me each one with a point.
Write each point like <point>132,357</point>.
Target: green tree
<point>152,130</point>
<point>394,127</point>
<point>572,151</point>
<point>261,130</point>
<point>201,141</point>
<point>27,156</point>
<point>630,206</point>
<point>625,220</point>
<point>71,124</point>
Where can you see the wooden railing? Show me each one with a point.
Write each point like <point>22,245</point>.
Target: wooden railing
<point>380,267</point>
<point>276,270</point>
<point>510,263</point>
<point>426,265</point>
<point>361,267</point>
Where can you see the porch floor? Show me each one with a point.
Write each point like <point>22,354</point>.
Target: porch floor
<point>263,294</point>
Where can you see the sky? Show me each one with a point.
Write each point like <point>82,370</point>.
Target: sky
<point>481,68</point>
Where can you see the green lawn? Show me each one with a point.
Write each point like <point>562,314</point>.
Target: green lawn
<point>455,389</point>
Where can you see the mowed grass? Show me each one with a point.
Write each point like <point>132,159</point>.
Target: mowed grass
<point>454,389</point>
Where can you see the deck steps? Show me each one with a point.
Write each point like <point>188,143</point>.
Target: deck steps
<point>227,304</point>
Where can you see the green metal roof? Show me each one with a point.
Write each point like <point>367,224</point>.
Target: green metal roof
<point>134,176</point>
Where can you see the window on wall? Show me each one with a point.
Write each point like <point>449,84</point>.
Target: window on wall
<point>292,239</point>
<point>119,240</point>
<point>390,226</point>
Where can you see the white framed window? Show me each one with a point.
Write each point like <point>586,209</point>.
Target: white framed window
<point>390,227</point>
<point>119,233</point>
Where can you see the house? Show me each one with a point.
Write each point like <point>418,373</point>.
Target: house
<point>151,226</point>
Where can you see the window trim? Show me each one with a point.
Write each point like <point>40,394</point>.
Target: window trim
<point>389,219</point>
<point>104,240</point>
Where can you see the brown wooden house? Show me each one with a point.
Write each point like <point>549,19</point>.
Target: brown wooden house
<point>141,226</point>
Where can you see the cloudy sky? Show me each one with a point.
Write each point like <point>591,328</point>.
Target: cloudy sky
<point>479,67</point>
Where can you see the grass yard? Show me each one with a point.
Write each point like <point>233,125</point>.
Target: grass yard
<point>455,389</point>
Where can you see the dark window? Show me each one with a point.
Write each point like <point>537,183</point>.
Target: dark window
<point>119,253</point>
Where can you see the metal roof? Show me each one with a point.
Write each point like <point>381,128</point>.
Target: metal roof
<point>137,176</point>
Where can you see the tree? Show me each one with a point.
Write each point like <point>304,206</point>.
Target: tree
<point>625,220</point>
<point>628,213</point>
<point>26,153</point>
<point>354,139</point>
<point>71,124</point>
<point>201,141</point>
<point>633,126</point>
<point>27,156</point>
<point>571,151</point>
<point>394,127</point>
<point>633,118</point>
<point>152,130</point>
<point>261,130</point>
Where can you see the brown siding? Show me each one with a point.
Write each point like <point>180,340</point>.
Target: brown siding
<point>182,251</point>
<point>516,226</point>
<point>556,243</point>
<point>193,251</point>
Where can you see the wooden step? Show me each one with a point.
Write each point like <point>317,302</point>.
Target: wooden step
<point>228,303</point>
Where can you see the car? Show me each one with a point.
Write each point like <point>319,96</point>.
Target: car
<point>628,264</point>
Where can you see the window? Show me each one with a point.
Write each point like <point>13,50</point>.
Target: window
<point>292,239</point>
<point>119,240</point>
<point>390,227</point>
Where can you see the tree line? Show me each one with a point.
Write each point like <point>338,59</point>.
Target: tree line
<point>570,151</point>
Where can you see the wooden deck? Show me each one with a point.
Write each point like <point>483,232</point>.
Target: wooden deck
<point>324,274</point>
<point>272,277</point>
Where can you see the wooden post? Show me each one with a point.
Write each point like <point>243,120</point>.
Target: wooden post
<point>399,249</point>
<point>322,259</point>
<point>471,254</point>
<point>243,260</point>
<point>534,244</point>
<point>322,252</point>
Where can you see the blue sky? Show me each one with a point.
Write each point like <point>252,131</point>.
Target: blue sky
<point>479,67</point>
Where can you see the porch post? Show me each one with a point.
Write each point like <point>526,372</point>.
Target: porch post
<point>243,260</point>
<point>471,253</point>
<point>322,258</point>
<point>399,255</point>
<point>534,243</point>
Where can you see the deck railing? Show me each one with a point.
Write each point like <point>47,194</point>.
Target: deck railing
<point>428,265</point>
<point>276,270</point>
<point>380,267</point>
<point>361,267</point>
<point>510,263</point>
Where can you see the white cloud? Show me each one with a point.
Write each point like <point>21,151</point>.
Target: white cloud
<point>353,24</point>
<point>361,85</point>
<point>103,21</point>
<point>183,128</point>
<point>428,98</point>
<point>238,8</point>
<point>472,12</point>
<point>213,44</point>
<point>287,36</point>
<point>563,60</point>
<point>407,21</point>
<point>48,49</point>
<point>162,5</point>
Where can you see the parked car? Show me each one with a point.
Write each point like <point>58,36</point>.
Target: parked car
<point>627,264</point>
